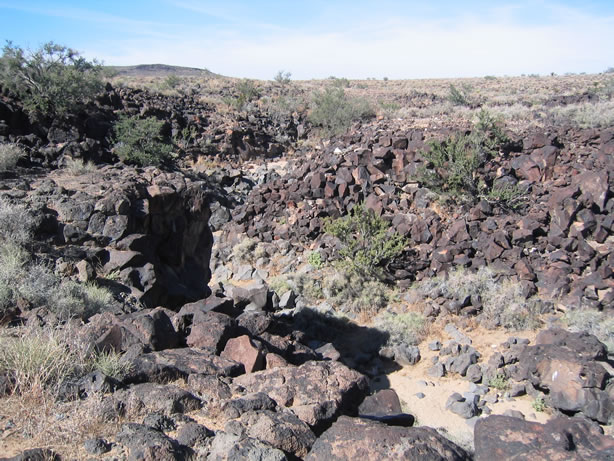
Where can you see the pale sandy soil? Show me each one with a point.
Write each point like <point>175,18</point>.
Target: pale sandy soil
<point>430,410</point>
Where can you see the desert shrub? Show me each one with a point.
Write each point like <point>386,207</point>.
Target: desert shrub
<point>598,323</point>
<point>140,142</point>
<point>351,292</point>
<point>37,284</point>
<point>52,80</point>
<point>77,166</point>
<point>307,286</point>
<point>70,299</point>
<point>539,404</point>
<point>404,328</point>
<point>489,130</point>
<point>367,242</point>
<point>341,82</point>
<point>12,267</point>
<point>282,77</point>
<point>9,156</point>
<point>460,96</point>
<point>112,364</point>
<point>503,301</point>
<point>279,284</point>
<point>334,111</point>
<point>172,82</point>
<point>315,259</point>
<point>451,166</point>
<point>244,251</point>
<point>16,223</point>
<point>499,382</point>
<point>507,195</point>
<point>246,91</point>
<point>38,359</point>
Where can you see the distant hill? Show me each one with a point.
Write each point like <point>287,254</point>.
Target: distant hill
<point>160,70</point>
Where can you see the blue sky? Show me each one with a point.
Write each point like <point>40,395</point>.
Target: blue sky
<point>316,38</point>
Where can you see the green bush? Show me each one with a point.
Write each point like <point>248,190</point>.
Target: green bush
<point>367,243</point>
<point>499,382</point>
<point>9,156</point>
<point>460,97</point>
<point>539,404</point>
<point>53,80</point>
<point>140,142</point>
<point>334,111</point>
<point>451,166</point>
<point>315,259</point>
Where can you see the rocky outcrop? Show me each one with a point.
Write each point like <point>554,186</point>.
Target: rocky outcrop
<point>316,392</point>
<point>147,228</point>
<point>566,366</point>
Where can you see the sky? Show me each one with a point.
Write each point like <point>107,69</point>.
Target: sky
<point>317,38</point>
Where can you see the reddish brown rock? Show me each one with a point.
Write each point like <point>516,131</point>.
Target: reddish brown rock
<point>244,351</point>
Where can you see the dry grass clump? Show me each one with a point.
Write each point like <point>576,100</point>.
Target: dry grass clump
<point>77,166</point>
<point>16,223</point>
<point>408,328</point>
<point>38,362</point>
<point>503,300</point>
<point>9,156</point>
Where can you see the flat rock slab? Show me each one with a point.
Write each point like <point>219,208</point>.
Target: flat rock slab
<point>560,439</point>
<point>315,391</point>
<point>171,364</point>
<point>356,438</point>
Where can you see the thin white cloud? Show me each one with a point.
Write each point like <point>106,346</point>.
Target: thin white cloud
<point>134,26</point>
<point>494,42</point>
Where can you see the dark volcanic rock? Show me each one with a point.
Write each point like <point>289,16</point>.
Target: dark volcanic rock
<point>316,391</point>
<point>561,438</point>
<point>144,443</point>
<point>355,438</point>
<point>281,430</point>
<point>165,366</point>
<point>564,364</point>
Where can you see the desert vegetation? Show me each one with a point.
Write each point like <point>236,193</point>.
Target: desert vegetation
<point>177,241</point>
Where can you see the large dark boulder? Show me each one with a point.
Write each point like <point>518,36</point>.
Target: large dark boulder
<point>355,438</point>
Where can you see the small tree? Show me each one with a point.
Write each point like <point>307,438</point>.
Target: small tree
<point>53,80</point>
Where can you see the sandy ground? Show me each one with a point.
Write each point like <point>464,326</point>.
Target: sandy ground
<point>430,410</point>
